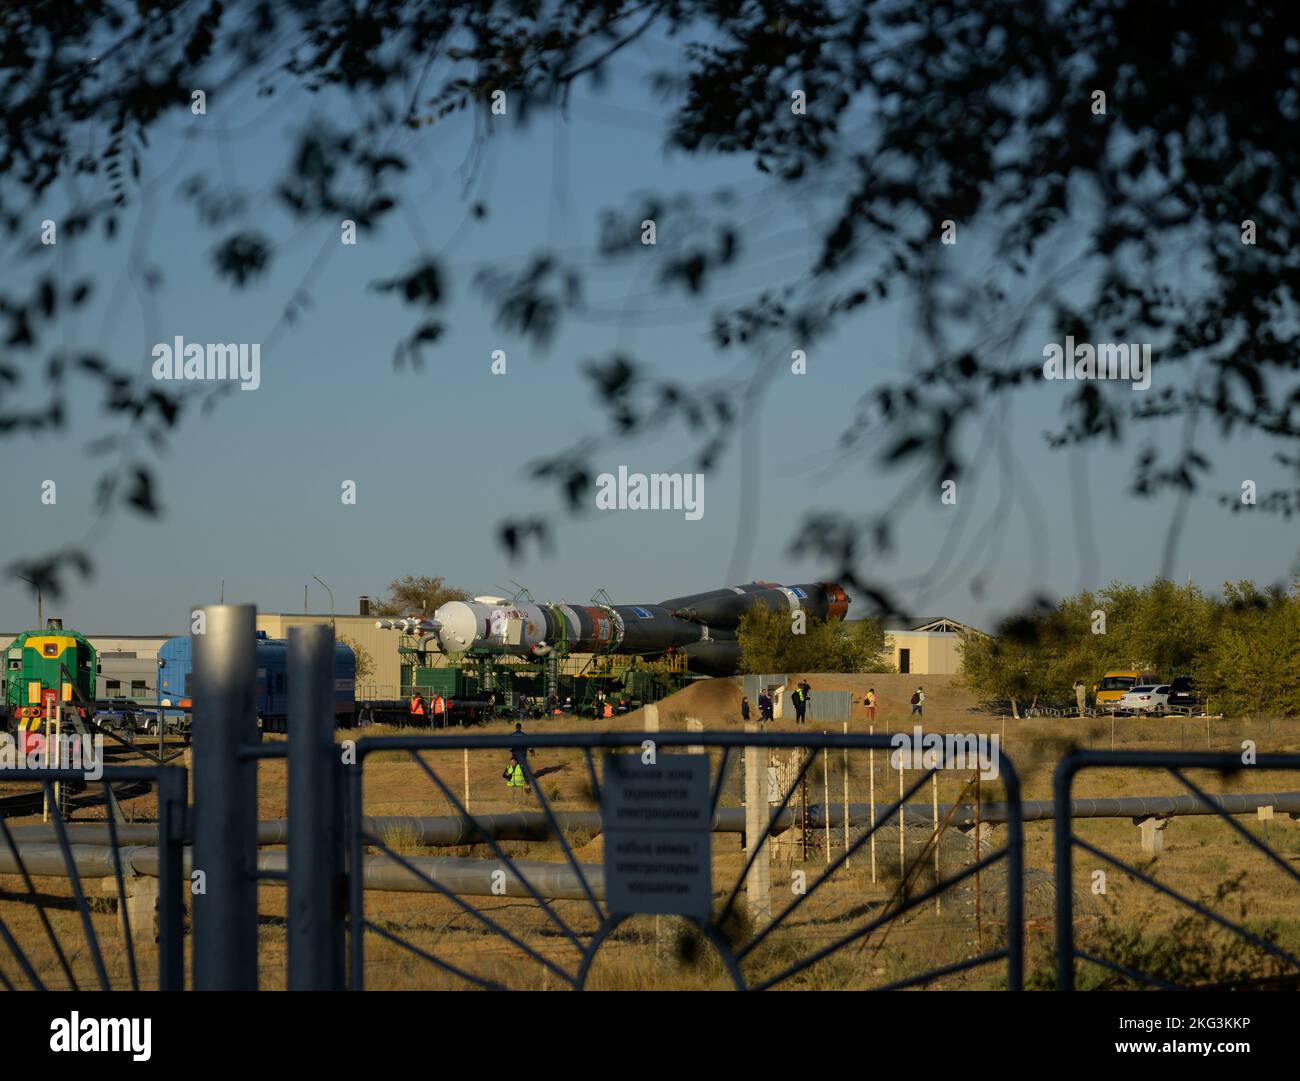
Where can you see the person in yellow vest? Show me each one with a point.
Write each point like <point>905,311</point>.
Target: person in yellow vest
<point>870,703</point>
<point>515,779</point>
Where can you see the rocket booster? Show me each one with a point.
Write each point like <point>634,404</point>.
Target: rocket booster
<point>823,600</point>
<point>701,625</point>
<point>539,628</point>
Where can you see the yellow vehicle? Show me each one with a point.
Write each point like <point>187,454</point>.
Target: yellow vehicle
<point>1115,683</point>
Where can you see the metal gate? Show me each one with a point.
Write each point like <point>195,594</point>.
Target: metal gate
<point>144,864</point>
<point>1067,841</point>
<point>568,899</point>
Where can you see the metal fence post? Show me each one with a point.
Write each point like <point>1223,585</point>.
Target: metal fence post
<point>758,885</point>
<point>315,838</point>
<point>1063,827</point>
<point>171,871</point>
<point>225,800</point>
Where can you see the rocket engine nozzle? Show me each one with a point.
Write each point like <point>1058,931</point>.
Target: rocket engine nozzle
<point>409,626</point>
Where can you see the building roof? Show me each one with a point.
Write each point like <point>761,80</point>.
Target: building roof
<point>929,625</point>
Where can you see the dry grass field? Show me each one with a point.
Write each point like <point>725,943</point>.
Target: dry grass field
<point>1129,922</point>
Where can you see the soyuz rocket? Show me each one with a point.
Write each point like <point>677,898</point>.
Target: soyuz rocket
<point>701,625</point>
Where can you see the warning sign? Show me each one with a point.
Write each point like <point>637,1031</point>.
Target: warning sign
<point>657,836</point>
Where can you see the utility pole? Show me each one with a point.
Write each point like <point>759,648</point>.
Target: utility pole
<point>331,593</point>
<point>40,611</point>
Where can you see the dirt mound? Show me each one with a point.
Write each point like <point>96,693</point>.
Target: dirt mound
<point>706,699</point>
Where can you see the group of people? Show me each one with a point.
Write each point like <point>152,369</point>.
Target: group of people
<point>600,708</point>
<point>437,708</point>
<point>801,696</point>
<point>765,707</point>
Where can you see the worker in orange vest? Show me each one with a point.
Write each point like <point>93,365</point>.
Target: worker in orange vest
<point>417,705</point>
<point>439,708</point>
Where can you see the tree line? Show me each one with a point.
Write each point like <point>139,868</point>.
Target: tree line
<point>1242,648</point>
<point>769,643</point>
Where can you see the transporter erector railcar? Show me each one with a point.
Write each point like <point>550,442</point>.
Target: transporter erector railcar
<point>44,665</point>
<point>176,677</point>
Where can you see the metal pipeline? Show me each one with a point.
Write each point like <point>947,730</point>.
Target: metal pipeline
<point>439,831</point>
<point>475,877</point>
<point>457,874</point>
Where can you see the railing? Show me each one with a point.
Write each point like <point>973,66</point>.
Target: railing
<point>589,920</point>
<point>1067,841</point>
<point>145,879</point>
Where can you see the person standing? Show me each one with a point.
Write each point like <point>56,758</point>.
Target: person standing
<point>918,702</point>
<point>1080,695</point>
<point>520,749</point>
<point>744,709</point>
<point>514,778</point>
<point>870,703</point>
<point>800,704</point>
<point>417,706</point>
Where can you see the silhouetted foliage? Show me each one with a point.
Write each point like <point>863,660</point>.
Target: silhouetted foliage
<point>975,112</point>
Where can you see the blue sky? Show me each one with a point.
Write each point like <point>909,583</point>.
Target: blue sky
<point>251,493</point>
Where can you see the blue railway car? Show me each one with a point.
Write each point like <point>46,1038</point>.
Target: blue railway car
<point>175,678</point>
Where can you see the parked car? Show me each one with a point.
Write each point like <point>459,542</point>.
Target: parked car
<point>125,717</point>
<point>119,717</point>
<point>1182,692</point>
<point>1118,682</point>
<point>1147,698</point>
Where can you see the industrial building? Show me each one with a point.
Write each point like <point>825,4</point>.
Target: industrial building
<point>927,647</point>
<point>359,631</point>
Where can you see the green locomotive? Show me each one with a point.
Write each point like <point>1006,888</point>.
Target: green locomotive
<point>40,667</point>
